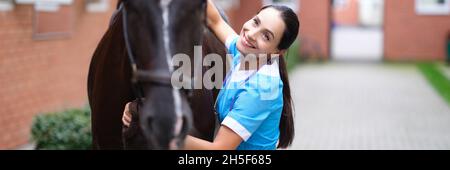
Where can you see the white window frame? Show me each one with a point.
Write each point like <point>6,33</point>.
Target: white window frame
<point>6,5</point>
<point>45,5</point>
<point>49,6</point>
<point>293,4</point>
<point>340,4</point>
<point>25,2</point>
<point>426,7</point>
<point>97,5</point>
<point>62,2</point>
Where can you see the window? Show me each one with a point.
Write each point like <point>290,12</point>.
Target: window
<point>52,19</point>
<point>25,1</point>
<point>433,7</point>
<point>97,5</point>
<point>6,5</point>
<point>64,2</point>
<point>293,4</point>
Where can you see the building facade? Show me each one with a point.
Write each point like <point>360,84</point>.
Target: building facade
<point>44,59</point>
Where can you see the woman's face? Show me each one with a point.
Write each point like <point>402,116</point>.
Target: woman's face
<point>262,33</point>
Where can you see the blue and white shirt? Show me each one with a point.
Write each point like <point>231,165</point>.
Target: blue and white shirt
<point>251,103</point>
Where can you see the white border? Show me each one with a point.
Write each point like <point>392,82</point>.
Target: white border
<point>62,2</point>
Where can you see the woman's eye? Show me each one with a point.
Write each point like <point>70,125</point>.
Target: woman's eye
<point>255,22</point>
<point>266,37</point>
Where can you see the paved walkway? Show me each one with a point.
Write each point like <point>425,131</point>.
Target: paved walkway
<point>367,106</point>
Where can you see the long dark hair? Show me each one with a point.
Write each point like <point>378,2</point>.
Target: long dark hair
<point>289,36</point>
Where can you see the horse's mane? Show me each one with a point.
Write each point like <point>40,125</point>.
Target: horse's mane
<point>221,11</point>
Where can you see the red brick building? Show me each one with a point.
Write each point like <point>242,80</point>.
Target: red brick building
<point>412,36</point>
<point>409,33</point>
<point>346,12</point>
<point>44,60</point>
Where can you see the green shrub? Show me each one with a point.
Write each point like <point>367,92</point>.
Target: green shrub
<point>293,55</point>
<point>70,129</point>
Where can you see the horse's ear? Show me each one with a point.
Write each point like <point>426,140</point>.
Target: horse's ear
<point>118,3</point>
<point>204,4</point>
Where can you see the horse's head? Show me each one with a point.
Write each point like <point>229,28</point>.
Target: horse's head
<point>154,31</point>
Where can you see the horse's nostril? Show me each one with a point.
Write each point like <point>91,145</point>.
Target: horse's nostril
<point>150,120</point>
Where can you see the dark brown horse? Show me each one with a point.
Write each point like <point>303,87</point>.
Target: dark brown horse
<point>131,62</point>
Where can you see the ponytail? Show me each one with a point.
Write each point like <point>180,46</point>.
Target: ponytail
<point>290,34</point>
<point>287,120</point>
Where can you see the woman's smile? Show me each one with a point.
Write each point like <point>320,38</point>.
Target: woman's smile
<point>246,42</point>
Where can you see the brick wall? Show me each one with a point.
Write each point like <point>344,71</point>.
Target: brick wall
<point>409,36</point>
<point>315,20</point>
<point>244,12</point>
<point>347,15</point>
<point>43,75</point>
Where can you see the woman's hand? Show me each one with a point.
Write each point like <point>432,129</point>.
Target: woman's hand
<point>126,118</point>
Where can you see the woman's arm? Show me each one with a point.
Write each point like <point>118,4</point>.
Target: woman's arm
<point>226,139</point>
<point>217,24</point>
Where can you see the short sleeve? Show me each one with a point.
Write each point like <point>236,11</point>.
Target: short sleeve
<point>249,111</point>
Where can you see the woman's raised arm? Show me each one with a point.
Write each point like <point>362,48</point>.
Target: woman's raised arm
<point>217,24</point>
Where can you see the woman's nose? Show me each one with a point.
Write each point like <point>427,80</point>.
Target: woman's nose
<point>251,34</point>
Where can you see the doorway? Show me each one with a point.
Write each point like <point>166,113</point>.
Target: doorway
<point>357,30</point>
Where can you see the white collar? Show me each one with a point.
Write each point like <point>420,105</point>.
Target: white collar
<point>271,70</point>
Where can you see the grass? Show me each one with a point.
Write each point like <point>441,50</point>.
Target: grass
<point>437,79</point>
<point>292,57</point>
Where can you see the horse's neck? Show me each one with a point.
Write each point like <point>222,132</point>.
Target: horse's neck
<point>113,49</point>
<point>214,45</point>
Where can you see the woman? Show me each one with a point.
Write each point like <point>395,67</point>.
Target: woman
<point>254,105</point>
